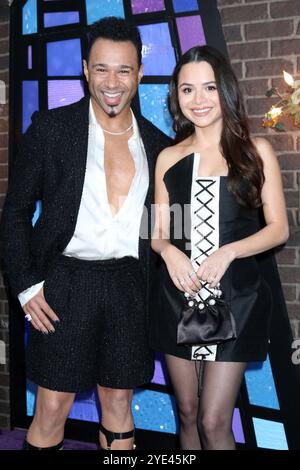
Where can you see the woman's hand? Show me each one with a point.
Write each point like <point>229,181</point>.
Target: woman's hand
<point>181,270</point>
<point>213,268</point>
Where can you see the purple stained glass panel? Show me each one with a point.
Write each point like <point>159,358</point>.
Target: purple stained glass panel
<point>63,92</point>
<point>147,6</point>
<point>190,31</point>
<point>30,101</point>
<point>160,373</point>
<point>61,18</point>
<point>237,427</point>
<point>29,52</point>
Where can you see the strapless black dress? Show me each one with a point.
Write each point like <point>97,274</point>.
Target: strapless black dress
<point>205,215</point>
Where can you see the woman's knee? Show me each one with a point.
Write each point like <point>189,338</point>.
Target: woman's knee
<point>211,426</point>
<point>188,411</point>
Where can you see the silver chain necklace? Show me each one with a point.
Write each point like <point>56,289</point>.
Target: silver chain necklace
<point>118,133</point>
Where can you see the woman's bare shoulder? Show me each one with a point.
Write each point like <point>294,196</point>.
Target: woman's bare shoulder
<point>261,143</point>
<point>171,155</point>
<point>265,150</point>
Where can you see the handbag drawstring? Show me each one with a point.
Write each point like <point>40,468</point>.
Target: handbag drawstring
<point>200,375</point>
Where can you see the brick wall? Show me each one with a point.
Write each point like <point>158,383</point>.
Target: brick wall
<point>263,38</point>
<point>4,63</point>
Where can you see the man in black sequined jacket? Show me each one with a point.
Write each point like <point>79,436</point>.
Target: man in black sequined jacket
<point>82,271</point>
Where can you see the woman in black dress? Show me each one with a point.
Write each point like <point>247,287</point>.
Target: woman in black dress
<point>210,189</point>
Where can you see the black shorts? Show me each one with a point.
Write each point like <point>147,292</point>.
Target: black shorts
<point>102,336</point>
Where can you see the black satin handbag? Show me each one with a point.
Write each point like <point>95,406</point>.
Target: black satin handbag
<point>205,321</point>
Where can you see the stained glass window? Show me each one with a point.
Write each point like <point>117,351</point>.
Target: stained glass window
<point>147,6</point>
<point>168,29</point>
<point>164,420</point>
<point>159,373</point>
<point>30,17</point>
<point>64,92</point>
<point>237,427</point>
<point>185,5</point>
<point>154,106</point>
<point>37,212</point>
<point>96,9</point>
<point>30,101</point>
<point>64,58</point>
<point>58,19</point>
<point>270,434</point>
<point>190,31</point>
<point>261,386</point>
<point>158,53</point>
<point>29,57</point>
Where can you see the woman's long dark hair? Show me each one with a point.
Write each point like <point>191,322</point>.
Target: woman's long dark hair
<point>242,158</point>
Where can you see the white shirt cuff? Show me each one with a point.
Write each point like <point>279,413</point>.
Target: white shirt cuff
<point>27,294</point>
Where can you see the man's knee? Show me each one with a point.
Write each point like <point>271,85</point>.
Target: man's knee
<point>53,407</point>
<point>115,399</point>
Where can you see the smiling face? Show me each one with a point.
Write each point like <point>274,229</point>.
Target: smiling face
<point>113,75</point>
<point>198,96</point>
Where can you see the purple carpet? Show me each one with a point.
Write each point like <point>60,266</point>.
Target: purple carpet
<point>13,440</point>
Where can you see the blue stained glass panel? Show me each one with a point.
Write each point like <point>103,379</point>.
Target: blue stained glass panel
<point>31,390</point>
<point>154,411</point>
<point>64,92</point>
<point>85,407</point>
<point>260,385</point>
<point>37,213</point>
<point>185,5</point>
<point>64,58</point>
<point>29,20</point>
<point>154,106</point>
<point>61,18</point>
<point>30,101</point>
<point>158,53</point>
<point>270,434</point>
<point>96,9</point>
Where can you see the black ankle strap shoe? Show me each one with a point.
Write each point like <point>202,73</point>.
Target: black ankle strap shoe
<point>111,436</point>
<point>27,446</point>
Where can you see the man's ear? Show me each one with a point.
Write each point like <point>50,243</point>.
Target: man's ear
<point>141,72</point>
<point>85,69</point>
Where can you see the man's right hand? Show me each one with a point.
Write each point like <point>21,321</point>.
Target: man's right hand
<point>41,313</point>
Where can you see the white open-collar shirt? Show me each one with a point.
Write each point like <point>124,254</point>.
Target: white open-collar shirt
<point>98,233</point>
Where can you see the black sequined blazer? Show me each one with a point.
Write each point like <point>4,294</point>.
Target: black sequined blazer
<point>51,167</point>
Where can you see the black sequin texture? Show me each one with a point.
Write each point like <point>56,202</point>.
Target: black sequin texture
<point>102,334</point>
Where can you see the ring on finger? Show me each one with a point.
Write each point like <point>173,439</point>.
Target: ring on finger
<point>193,275</point>
<point>28,317</point>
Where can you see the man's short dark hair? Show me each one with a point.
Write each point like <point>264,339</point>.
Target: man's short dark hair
<point>114,29</point>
